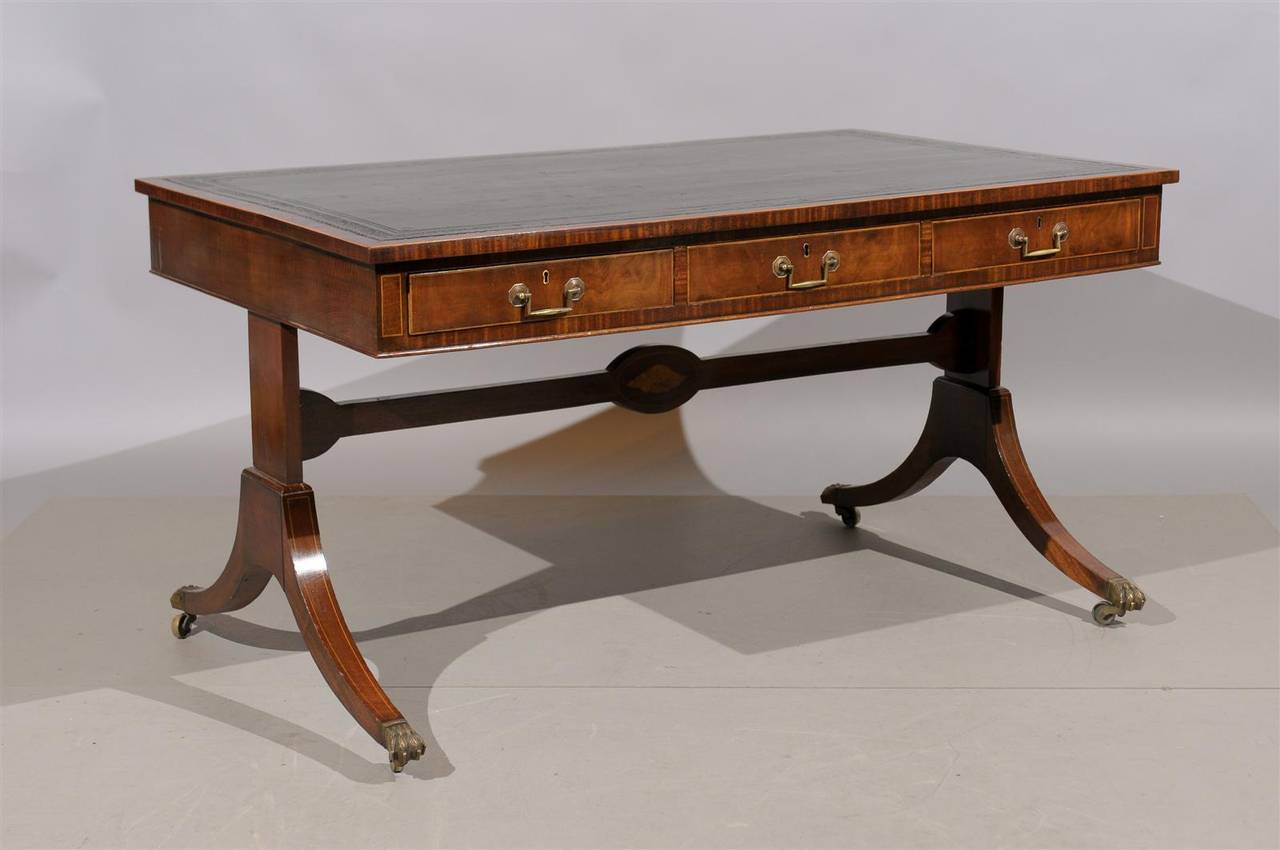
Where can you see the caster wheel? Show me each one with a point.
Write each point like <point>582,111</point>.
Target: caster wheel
<point>849,516</point>
<point>181,624</point>
<point>1105,614</point>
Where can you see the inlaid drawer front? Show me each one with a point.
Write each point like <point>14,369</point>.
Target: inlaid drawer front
<point>1031,236</point>
<point>537,292</point>
<point>796,263</point>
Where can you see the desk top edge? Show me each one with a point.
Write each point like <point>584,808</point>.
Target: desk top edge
<point>915,167</point>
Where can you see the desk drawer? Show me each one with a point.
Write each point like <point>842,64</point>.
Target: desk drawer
<point>737,269</point>
<point>554,290</point>
<point>961,244</point>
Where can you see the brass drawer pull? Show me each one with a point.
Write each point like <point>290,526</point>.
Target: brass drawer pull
<point>783,268</point>
<point>1018,240</point>
<point>520,296</point>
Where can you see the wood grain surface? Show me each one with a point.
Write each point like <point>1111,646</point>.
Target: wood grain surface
<point>868,254</point>
<point>468,298</point>
<point>982,241</point>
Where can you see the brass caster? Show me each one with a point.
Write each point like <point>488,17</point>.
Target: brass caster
<point>1105,614</point>
<point>849,516</point>
<point>181,624</point>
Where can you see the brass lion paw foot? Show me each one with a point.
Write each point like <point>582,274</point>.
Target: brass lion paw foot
<point>1122,596</point>
<point>403,744</point>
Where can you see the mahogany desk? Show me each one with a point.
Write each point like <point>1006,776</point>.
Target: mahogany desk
<point>438,255</point>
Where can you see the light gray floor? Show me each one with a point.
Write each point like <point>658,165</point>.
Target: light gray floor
<point>698,671</point>
<point>598,663</point>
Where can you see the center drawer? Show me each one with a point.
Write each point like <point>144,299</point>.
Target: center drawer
<point>796,263</point>
<point>538,292</point>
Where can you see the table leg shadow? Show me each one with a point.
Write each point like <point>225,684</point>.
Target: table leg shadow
<point>601,547</point>
<point>278,533</point>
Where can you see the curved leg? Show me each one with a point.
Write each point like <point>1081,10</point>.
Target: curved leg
<point>242,580</point>
<point>304,575</point>
<point>1005,467</point>
<point>976,424</point>
<point>928,460</point>
<point>279,535</point>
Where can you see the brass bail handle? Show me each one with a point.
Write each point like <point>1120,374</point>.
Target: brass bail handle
<point>784,268</point>
<point>520,296</point>
<point>1018,240</point>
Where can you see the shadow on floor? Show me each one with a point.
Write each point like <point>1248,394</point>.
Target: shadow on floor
<point>606,546</point>
<point>598,547</point>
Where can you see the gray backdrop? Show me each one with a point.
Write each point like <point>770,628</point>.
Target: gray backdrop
<point>115,381</point>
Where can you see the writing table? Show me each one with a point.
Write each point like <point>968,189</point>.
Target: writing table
<point>438,255</point>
